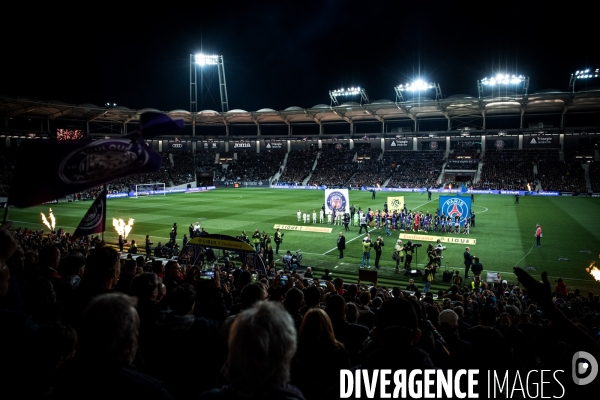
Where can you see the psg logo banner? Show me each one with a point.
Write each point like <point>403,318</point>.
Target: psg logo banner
<point>455,206</point>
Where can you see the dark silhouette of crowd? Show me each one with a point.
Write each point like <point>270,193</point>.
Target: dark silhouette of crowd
<point>562,176</point>
<point>252,166</point>
<point>417,168</point>
<point>80,321</point>
<point>334,166</point>
<point>298,166</point>
<point>506,170</point>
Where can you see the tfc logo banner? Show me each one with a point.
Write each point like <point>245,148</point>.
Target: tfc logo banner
<point>337,199</point>
<point>453,206</point>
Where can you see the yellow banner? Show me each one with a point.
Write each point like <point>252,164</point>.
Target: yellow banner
<point>443,239</point>
<point>395,203</point>
<point>221,243</point>
<point>303,228</point>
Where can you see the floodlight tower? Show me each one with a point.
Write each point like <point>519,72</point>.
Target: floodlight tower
<point>202,60</point>
<point>353,91</point>
<point>503,81</point>
<point>417,86</point>
<point>586,74</point>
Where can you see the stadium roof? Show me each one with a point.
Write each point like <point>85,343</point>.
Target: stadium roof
<point>455,106</point>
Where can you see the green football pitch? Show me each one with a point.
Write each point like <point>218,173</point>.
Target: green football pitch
<point>504,231</point>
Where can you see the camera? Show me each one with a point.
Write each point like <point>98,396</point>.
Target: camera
<point>440,247</point>
<point>323,283</point>
<point>283,279</point>
<point>207,275</point>
<point>417,244</point>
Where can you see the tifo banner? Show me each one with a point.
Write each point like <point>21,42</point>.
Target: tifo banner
<point>456,206</point>
<point>395,203</point>
<point>303,228</point>
<point>337,199</point>
<point>443,239</point>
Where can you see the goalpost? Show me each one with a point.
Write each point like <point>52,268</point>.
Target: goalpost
<point>149,189</point>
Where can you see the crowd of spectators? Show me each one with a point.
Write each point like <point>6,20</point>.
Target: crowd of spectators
<point>334,166</point>
<point>417,168</point>
<point>370,169</point>
<point>562,176</point>
<point>298,166</point>
<point>78,320</point>
<point>251,166</point>
<point>506,170</point>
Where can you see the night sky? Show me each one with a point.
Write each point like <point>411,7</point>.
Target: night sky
<point>282,54</point>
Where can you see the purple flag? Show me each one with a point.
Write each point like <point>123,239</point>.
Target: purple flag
<point>94,221</point>
<point>47,170</point>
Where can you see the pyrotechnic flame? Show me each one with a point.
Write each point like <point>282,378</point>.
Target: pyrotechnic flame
<point>122,228</point>
<point>594,271</point>
<point>52,222</point>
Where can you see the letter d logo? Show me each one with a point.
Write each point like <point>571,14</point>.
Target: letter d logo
<point>583,363</point>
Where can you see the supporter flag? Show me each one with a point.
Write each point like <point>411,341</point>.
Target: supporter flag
<point>47,170</point>
<point>395,203</point>
<point>463,188</point>
<point>423,190</point>
<point>94,221</point>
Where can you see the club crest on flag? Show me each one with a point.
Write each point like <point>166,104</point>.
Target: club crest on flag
<point>337,199</point>
<point>94,220</point>
<point>101,158</point>
<point>455,207</point>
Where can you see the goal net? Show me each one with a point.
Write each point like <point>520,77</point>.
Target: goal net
<point>148,189</point>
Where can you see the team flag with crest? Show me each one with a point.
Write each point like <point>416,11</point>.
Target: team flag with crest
<point>337,199</point>
<point>94,221</point>
<point>455,206</point>
<point>395,203</point>
<point>47,170</point>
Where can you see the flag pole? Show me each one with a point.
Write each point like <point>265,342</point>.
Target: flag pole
<point>5,218</point>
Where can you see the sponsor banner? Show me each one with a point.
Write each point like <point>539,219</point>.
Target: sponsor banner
<point>399,143</point>
<point>116,195</point>
<point>303,228</point>
<point>337,199</point>
<point>236,184</point>
<point>443,239</point>
<point>459,206</point>
<point>296,187</point>
<point>179,146</point>
<point>567,194</point>
<point>395,203</point>
<point>242,145</point>
<point>214,146</point>
<point>221,242</point>
<point>595,194</point>
<point>274,145</point>
<point>535,141</point>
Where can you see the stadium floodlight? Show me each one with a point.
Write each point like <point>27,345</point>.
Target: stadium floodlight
<point>500,81</point>
<point>584,74</point>
<point>353,91</point>
<point>203,60</point>
<point>417,86</point>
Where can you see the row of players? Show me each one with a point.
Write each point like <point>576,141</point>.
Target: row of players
<point>404,220</point>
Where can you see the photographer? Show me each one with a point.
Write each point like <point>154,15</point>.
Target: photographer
<point>408,250</point>
<point>434,257</point>
<point>399,253</point>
